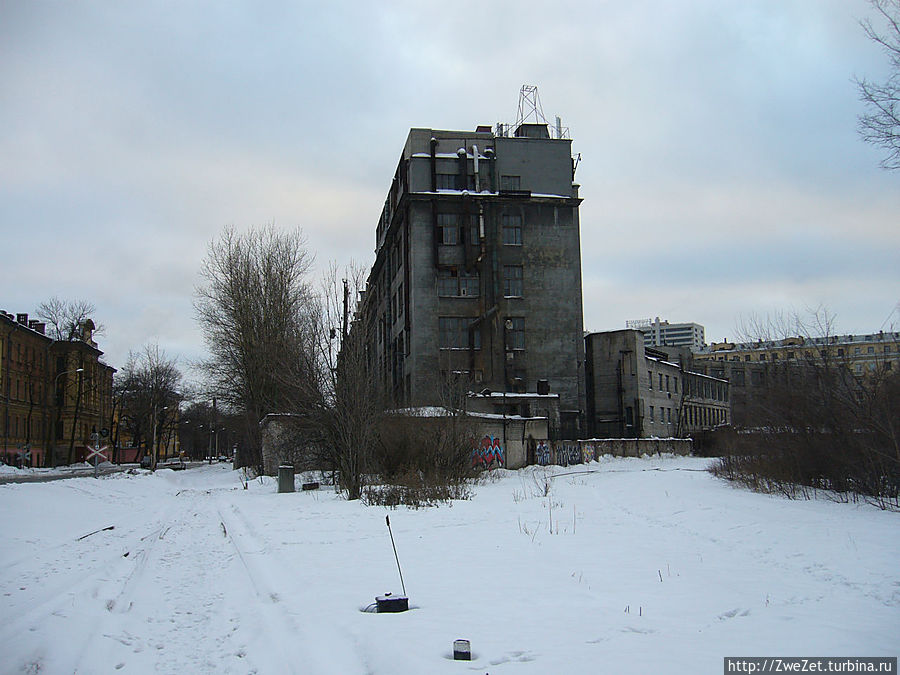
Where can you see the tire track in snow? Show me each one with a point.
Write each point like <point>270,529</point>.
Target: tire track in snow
<point>77,585</point>
<point>305,646</point>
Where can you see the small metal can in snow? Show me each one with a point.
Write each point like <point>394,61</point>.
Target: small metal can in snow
<point>286,478</point>
<point>462,650</point>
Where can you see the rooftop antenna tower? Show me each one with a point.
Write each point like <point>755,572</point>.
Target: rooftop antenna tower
<point>532,112</point>
<point>530,109</point>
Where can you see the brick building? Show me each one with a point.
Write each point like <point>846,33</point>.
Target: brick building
<point>53,393</point>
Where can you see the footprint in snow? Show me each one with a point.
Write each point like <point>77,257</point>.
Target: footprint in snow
<point>733,613</point>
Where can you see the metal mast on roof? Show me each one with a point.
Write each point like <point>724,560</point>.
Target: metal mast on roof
<point>530,109</point>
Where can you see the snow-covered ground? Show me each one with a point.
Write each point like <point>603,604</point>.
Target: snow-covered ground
<point>642,566</point>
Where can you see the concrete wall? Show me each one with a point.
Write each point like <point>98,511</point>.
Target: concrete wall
<point>565,453</point>
<point>511,437</point>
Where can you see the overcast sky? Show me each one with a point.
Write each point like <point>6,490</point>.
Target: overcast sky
<point>721,170</point>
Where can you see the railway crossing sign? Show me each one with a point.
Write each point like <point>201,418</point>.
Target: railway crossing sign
<point>97,455</point>
<point>24,455</point>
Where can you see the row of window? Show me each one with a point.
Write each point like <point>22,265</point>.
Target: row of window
<point>26,354</point>
<point>665,415</point>
<point>454,333</point>
<point>667,381</point>
<point>453,181</point>
<point>452,231</point>
<point>456,283</point>
<point>696,416</point>
<point>791,355</point>
<point>21,428</point>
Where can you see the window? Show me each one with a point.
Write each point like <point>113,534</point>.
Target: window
<point>667,383</point>
<point>510,182</point>
<point>651,414</point>
<point>512,281</point>
<point>469,285</point>
<point>446,181</point>
<point>660,381</point>
<point>454,333</point>
<point>737,377</point>
<point>870,350</point>
<point>650,378</point>
<point>676,384</point>
<point>762,357</point>
<point>515,333</point>
<point>840,352</point>
<point>512,230</point>
<point>856,350</point>
<point>448,282</point>
<point>887,349</point>
<point>453,283</point>
<point>448,224</point>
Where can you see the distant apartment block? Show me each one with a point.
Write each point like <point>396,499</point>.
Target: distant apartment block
<point>664,334</point>
<point>477,275</point>
<point>750,366</point>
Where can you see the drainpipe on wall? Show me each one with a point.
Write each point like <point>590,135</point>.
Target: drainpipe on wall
<point>434,143</point>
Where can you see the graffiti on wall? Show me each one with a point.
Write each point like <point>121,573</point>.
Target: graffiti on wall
<point>542,453</point>
<point>588,452</point>
<point>568,454</point>
<point>489,454</point>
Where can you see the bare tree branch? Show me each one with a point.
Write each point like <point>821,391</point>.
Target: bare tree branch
<point>880,125</point>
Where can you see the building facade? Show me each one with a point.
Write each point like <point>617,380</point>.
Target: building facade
<point>477,278</point>
<point>54,393</point>
<point>664,334</point>
<point>750,367</point>
<point>636,391</point>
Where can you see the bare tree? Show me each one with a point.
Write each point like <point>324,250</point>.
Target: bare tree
<point>819,420</point>
<point>255,307</point>
<point>337,415</point>
<point>148,390</point>
<point>66,319</point>
<point>880,125</point>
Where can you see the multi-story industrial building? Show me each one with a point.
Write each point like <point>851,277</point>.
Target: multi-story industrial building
<point>54,393</point>
<point>637,391</point>
<point>664,334</point>
<point>477,276</point>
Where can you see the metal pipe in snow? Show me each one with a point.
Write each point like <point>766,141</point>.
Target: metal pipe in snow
<point>387,519</point>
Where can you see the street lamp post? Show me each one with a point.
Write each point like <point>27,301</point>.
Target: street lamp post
<point>59,405</point>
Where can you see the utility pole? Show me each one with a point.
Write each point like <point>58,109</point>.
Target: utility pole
<point>346,312</point>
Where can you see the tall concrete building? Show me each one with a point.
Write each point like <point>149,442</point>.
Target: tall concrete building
<point>477,278</point>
